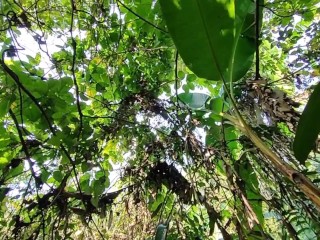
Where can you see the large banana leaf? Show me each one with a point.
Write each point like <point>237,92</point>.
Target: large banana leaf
<point>215,38</point>
<point>308,127</point>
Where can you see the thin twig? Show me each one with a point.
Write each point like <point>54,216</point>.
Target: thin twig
<point>142,18</point>
<point>74,47</point>
<point>257,23</point>
<point>176,79</point>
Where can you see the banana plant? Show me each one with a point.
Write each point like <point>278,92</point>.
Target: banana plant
<point>217,40</point>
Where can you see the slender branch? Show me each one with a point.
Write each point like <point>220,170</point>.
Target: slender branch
<point>142,18</point>
<point>38,181</point>
<point>290,14</point>
<point>176,79</point>
<point>290,74</point>
<point>97,228</point>
<point>257,23</point>
<point>24,145</point>
<point>74,47</point>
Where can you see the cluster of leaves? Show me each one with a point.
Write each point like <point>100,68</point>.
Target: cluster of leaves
<point>101,120</point>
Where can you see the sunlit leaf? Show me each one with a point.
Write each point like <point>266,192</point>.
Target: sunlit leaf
<point>57,175</point>
<point>217,42</point>
<point>3,162</point>
<point>194,100</point>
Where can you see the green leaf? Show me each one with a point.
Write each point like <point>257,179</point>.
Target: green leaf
<point>217,105</point>
<point>3,193</point>
<point>156,211</point>
<point>159,200</point>
<point>251,185</point>
<point>214,135</point>
<point>55,140</point>
<point>44,175</point>
<point>85,183</point>
<point>3,162</point>
<point>4,142</point>
<point>95,201</point>
<point>32,113</point>
<point>245,39</point>
<point>85,167</point>
<point>4,106</point>
<point>308,127</point>
<point>212,37</point>
<point>202,32</point>
<point>58,176</point>
<point>194,100</point>
<point>98,187</point>
<point>15,171</point>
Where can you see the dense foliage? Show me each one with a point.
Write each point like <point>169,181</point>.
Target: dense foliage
<point>168,119</point>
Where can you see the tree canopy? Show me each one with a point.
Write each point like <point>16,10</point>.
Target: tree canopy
<point>159,119</point>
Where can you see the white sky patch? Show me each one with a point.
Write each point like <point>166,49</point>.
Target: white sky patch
<point>30,47</point>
